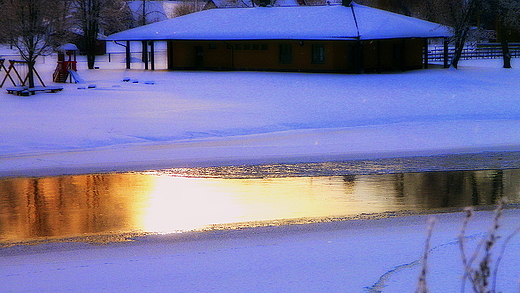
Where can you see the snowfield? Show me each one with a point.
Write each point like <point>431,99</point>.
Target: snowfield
<point>178,119</point>
<point>378,255</point>
<point>168,119</point>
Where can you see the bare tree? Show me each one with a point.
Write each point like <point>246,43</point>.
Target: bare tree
<point>34,27</point>
<point>91,16</point>
<point>507,14</point>
<point>116,16</point>
<point>460,15</point>
<point>467,18</point>
<point>188,7</point>
<point>398,6</point>
<point>146,12</point>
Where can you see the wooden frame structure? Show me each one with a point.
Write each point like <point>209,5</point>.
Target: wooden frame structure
<point>12,69</point>
<point>2,66</point>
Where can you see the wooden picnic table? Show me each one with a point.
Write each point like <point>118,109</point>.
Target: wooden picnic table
<point>25,91</point>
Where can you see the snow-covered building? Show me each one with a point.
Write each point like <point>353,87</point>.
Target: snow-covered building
<point>332,38</point>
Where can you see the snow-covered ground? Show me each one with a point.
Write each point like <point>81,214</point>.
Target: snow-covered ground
<point>213,118</point>
<point>174,119</point>
<point>380,255</point>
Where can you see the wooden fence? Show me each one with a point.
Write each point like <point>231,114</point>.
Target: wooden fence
<point>479,51</point>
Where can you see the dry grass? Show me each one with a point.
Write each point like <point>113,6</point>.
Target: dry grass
<point>480,264</point>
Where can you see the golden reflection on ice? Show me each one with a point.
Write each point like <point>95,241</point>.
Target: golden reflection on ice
<point>71,205</point>
<point>120,203</point>
<point>178,203</point>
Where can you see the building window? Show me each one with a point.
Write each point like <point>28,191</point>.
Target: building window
<point>247,47</point>
<point>265,47</point>
<point>318,53</point>
<point>285,53</point>
<point>256,46</point>
<point>238,47</point>
<point>212,46</point>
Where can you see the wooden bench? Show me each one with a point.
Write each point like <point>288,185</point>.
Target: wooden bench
<point>25,91</point>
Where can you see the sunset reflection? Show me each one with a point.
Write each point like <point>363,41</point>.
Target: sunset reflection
<point>67,206</point>
<point>180,204</point>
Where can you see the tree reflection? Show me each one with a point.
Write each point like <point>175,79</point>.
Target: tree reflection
<point>456,188</point>
<point>69,205</point>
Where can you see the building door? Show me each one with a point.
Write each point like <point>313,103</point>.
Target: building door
<point>398,57</point>
<point>199,57</point>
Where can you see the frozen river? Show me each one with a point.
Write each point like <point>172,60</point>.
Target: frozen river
<point>176,200</point>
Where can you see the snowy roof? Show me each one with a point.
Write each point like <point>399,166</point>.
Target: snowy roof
<point>68,47</point>
<point>302,22</point>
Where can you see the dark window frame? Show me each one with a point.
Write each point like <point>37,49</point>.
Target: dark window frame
<point>285,53</point>
<point>318,54</point>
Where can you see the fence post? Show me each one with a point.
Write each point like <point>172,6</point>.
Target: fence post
<point>446,52</point>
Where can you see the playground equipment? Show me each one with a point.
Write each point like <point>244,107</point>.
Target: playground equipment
<point>67,65</point>
<point>2,67</point>
<point>21,69</point>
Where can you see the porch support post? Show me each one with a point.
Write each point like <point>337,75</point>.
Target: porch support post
<point>145,54</point>
<point>169,54</point>
<point>128,56</point>
<point>403,55</point>
<point>360,64</point>
<point>426,53</point>
<point>152,55</point>
<point>379,69</point>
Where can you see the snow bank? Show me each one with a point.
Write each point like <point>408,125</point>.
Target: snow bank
<point>178,119</point>
<point>379,255</point>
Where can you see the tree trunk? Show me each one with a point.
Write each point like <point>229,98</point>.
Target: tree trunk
<point>90,42</point>
<point>30,74</point>
<point>91,60</point>
<point>506,54</point>
<point>30,67</point>
<point>91,11</point>
<point>460,40</point>
<point>456,57</point>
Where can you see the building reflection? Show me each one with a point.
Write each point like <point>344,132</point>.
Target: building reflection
<point>87,204</point>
